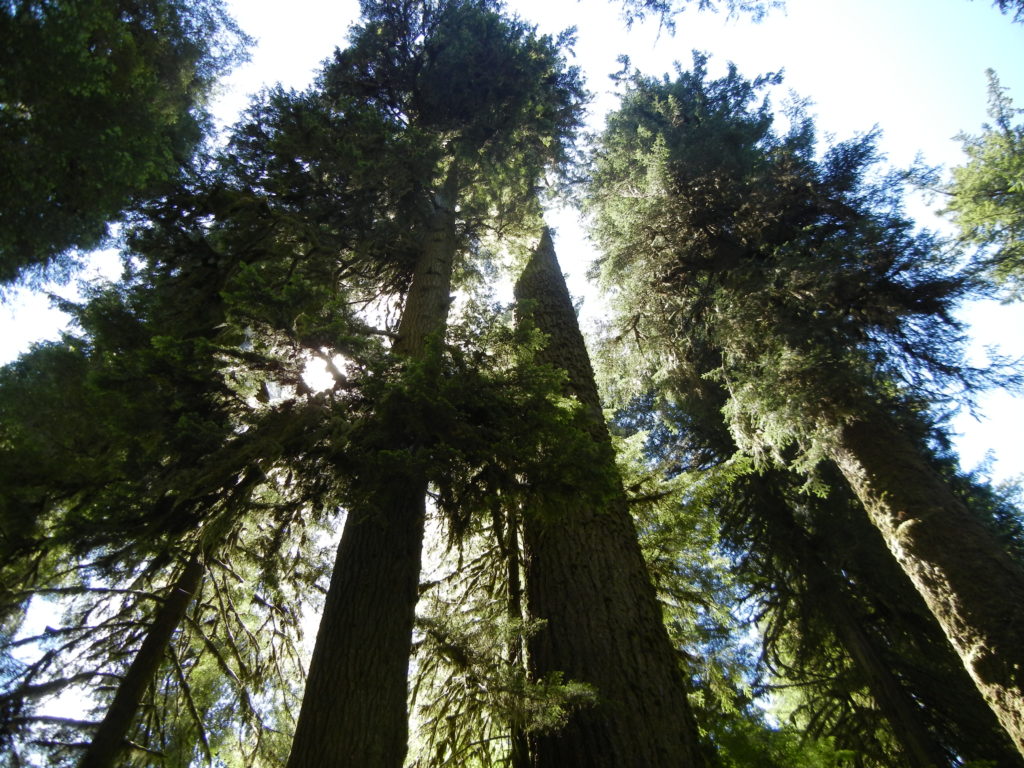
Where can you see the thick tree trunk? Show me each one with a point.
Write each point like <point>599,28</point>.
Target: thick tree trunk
<point>109,741</point>
<point>586,577</point>
<point>354,706</point>
<point>354,709</point>
<point>969,583</point>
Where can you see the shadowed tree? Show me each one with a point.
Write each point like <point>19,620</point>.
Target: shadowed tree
<point>481,106</point>
<point>147,441</point>
<point>825,313</point>
<point>827,581</point>
<point>586,578</point>
<point>102,104</point>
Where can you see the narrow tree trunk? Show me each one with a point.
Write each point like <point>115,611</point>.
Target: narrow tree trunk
<point>109,741</point>
<point>919,747</point>
<point>921,688</point>
<point>829,593</point>
<point>969,583</point>
<point>519,752</point>
<point>354,709</point>
<point>586,577</point>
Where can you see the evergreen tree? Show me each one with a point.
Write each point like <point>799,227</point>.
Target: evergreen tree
<point>173,453</point>
<point>481,106</point>
<point>103,105</point>
<point>152,435</point>
<point>987,192</point>
<point>846,625</point>
<point>846,640</point>
<point>668,10</point>
<point>1016,7</point>
<point>584,545</point>
<point>823,313</point>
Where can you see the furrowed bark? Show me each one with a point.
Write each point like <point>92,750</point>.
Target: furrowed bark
<point>932,673</point>
<point>586,577</point>
<point>354,709</point>
<point>969,583</point>
<point>109,741</point>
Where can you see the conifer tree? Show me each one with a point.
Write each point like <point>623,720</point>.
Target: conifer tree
<point>986,194</point>
<point>824,313</point>
<point>846,639</point>
<point>480,106</point>
<point>104,104</point>
<point>584,545</point>
<point>149,438</point>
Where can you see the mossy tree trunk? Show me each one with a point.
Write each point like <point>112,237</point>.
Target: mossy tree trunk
<point>969,583</point>
<point>586,578</point>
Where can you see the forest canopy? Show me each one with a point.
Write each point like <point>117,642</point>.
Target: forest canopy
<point>724,528</point>
<point>102,104</point>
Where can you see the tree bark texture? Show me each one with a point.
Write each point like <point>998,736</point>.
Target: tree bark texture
<point>586,577</point>
<point>354,708</point>
<point>926,666</point>
<point>969,583</point>
<point>109,741</point>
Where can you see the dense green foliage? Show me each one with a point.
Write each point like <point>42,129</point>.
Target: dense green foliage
<point>768,295</point>
<point>102,104</point>
<point>766,292</point>
<point>742,262</point>
<point>170,448</point>
<point>987,193</point>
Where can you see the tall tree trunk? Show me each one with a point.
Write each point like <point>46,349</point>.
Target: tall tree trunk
<point>354,709</point>
<point>586,577</point>
<point>109,741</point>
<point>971,586</point>
<point>918,746</point>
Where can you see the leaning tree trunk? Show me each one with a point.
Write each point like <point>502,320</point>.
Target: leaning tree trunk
<point>586,578</point>
<point>110,739</point>
<point>354,709</point>
<point>934,673</point>
<point>970,584</point>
